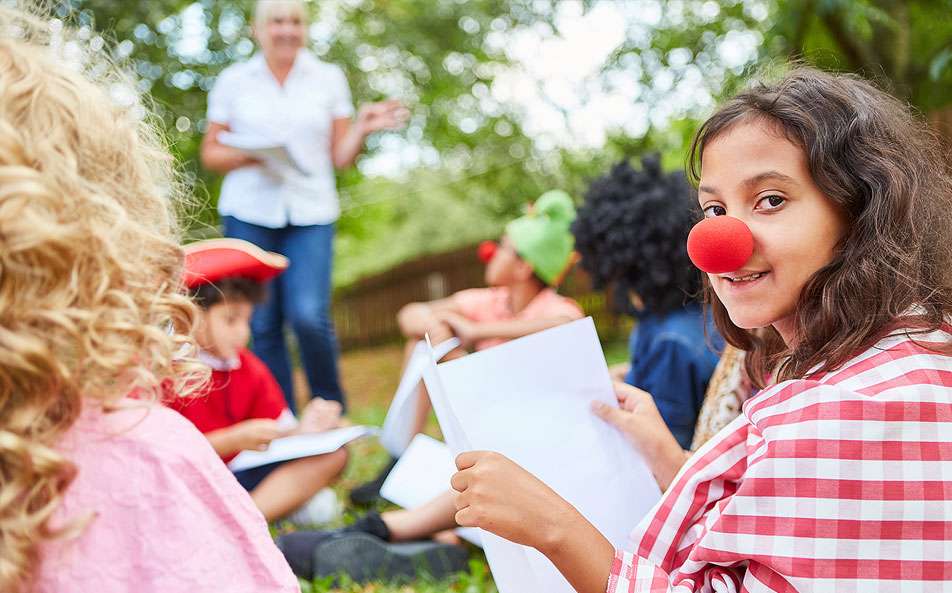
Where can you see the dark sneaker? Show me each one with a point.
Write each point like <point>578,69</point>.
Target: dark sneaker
<point>368,493</point>
<point>365,557</point>
<point>298,547</point>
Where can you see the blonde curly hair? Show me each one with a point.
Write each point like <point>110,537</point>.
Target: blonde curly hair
<point>89,269</point>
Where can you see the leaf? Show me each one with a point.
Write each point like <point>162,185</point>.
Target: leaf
<point>940,63</point>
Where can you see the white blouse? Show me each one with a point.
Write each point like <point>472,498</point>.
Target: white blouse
<point>248,99</point>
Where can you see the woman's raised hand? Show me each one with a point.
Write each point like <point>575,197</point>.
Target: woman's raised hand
<point>383,115</point>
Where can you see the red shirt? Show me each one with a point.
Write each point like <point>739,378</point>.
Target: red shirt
<point>249,391</point>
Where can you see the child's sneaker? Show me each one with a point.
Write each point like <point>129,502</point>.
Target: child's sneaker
<point>365,557</point>
<point>369,493</point>
<point>323,507</point>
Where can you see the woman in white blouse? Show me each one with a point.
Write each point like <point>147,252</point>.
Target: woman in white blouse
<point>285,97</point>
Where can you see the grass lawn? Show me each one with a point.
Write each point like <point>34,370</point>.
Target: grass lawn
<point>370,378</point>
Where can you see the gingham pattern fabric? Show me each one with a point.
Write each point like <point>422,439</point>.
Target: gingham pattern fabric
<point>840,483</point>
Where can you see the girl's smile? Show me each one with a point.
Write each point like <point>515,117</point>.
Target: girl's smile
<point>754,174</point>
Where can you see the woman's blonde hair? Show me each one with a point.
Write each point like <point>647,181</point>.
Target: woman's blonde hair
<point>89,267</point>
<point>265,10</point>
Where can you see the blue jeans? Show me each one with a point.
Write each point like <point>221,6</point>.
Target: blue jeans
<point>302,297</point>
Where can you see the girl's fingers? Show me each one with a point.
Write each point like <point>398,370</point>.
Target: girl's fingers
<point>466,460</point>
<point>458,481</point>
<point>610,414</point>
<point>465,518</point>
<point>461,501</point>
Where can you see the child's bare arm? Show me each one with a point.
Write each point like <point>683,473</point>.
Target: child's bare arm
<point>253,434</point>
<point>416,319</point>
<point>469,332</point>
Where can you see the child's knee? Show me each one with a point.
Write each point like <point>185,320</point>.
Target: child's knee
<point>340,457</point>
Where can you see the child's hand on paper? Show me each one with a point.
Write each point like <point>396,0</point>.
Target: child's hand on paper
<point>320,415</point>
<point>499,496</point>
<point>256,434</point>
<point>638,418</point>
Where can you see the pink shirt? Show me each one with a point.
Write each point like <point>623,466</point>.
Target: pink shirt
<point>169,516</point>
<point>491,305</point>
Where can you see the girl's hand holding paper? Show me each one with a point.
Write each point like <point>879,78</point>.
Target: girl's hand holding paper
<point>637,417</point>
<point>501,497</point>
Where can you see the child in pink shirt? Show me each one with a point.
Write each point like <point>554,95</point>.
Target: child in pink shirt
<point>165,513</point>
<point>522,272</point>
<point>101,491</point>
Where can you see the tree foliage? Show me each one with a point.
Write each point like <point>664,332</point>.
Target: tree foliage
<point>465,162</point>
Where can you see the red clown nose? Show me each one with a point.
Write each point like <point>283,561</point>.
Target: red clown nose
<point>486,251</point>
<point>720,244</point>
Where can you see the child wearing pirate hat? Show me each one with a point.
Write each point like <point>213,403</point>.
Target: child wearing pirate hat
<point>244,407</point>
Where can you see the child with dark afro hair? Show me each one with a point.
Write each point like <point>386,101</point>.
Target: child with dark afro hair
<point>631,236</point>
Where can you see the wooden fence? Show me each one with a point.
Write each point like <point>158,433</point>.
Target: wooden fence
<point>365,312</point>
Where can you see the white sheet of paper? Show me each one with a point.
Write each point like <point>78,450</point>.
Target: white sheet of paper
<point>421,474</point>
<point>263,149</point>
<point>529,400</point>
<point>398,426</point>
<point>300,445</point>
<point>449,424</point>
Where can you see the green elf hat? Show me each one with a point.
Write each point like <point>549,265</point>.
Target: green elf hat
<point>542,236</point>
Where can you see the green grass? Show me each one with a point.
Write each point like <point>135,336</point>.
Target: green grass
<point>477,580</point>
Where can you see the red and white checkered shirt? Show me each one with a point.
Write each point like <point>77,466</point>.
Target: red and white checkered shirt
<point>840,483</point>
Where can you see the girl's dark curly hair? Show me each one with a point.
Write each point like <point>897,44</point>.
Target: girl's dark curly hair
<point>632,230</point>
<point>883,169</point>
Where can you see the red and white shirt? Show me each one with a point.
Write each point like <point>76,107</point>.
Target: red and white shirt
<point>839,483</point>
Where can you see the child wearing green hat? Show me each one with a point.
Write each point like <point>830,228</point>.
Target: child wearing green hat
<point>522,273</point>
<point>531,259</point>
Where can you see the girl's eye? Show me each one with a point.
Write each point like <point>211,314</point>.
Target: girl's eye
<point>771,202</point>
<point>715,210</point>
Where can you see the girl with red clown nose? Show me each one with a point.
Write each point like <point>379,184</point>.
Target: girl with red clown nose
<point>834,204</point>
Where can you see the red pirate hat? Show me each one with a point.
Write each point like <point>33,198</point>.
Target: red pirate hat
<point>207,262</point>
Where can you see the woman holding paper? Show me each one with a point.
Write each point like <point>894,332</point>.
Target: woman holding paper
<point>827,206</point>
<point>285,98</point>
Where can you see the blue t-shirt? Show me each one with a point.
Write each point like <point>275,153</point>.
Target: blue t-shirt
<point>672,360</point>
